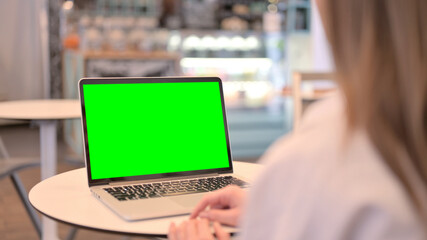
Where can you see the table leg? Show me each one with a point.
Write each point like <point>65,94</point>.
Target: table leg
<point>48,156</point>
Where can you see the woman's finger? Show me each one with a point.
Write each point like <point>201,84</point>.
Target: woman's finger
<point>191,230</point>
<point>222,197</point>
<point>219,232</point>
<point>172,232</point>
<point>225,216</point>
<point>181,231</point>
<point>207,200</point>
<point>218,206</point>
<point>203,230</point>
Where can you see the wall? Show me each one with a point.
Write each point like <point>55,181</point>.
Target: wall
<point>20,54</point>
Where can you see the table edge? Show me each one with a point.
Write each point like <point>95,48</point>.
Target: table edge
<point>99,229</point>
<point>106,230</point>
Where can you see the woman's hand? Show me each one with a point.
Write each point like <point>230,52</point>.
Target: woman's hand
<point>225,206</point>
<point>196,229</point>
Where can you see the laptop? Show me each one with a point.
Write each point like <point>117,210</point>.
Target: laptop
<point>154,146</point>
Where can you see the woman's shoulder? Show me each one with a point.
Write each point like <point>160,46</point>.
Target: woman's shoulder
<point>320,132</point>
<point>340,163</point>
<point>327,178</point>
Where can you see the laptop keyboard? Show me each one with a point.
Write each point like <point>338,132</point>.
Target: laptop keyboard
<point>172,188</point>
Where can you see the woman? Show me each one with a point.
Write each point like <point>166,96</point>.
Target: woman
<point>357,167</point>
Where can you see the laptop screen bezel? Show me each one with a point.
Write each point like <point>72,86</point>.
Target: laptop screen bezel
<point>94,182</point>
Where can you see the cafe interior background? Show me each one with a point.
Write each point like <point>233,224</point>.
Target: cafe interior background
<point>256,47</point>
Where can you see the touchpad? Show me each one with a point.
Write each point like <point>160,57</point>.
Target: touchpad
<point>188,200</point>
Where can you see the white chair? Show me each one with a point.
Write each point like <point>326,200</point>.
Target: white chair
<point>299,96</point>
<point>9,167</point>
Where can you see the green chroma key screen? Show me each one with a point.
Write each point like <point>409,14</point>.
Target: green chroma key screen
<point>152,128</point>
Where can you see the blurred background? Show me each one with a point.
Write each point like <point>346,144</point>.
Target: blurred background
<point>254,46</point>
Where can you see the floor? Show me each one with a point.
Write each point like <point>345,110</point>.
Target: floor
<point>23,141</point>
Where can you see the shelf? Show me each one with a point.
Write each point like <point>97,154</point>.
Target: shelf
<point>129,55</point>
<point>317,94</point>
<point>226,62</point>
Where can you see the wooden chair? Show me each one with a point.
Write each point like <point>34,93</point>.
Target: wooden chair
<point>299,97</point>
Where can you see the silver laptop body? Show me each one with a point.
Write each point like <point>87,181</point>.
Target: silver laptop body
<point>106,117</point>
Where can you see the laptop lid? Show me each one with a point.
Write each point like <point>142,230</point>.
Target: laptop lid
<point>149,128</point>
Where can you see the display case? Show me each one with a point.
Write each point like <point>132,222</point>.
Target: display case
<point>254,105</point>
<point>229,39</point>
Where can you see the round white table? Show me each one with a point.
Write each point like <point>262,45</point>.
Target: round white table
<point>66,197</point>
<point>44,113</point>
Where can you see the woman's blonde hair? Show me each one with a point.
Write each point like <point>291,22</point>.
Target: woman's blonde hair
<point>380,52</point>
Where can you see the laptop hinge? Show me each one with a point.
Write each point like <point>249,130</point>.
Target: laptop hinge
<point>162,179</point>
